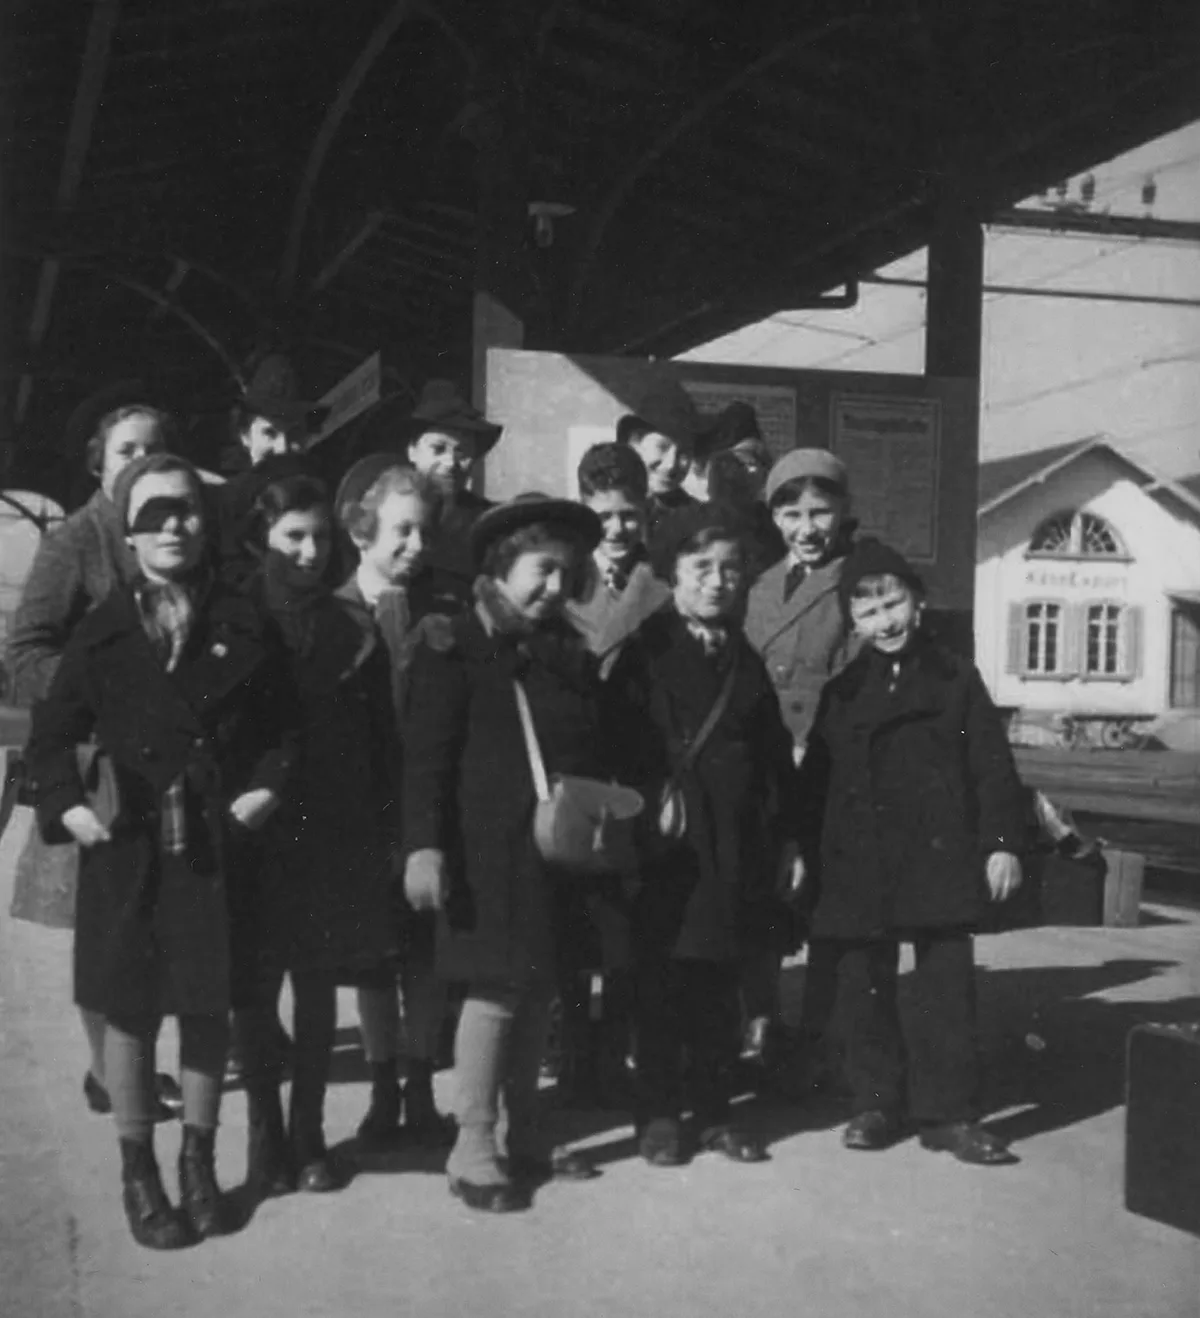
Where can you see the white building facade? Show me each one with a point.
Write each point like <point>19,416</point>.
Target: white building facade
<point>1088,589</point>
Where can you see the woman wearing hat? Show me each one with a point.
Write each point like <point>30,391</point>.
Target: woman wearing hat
<point>468,801</point>
<point>176,681</point>
<point>447,439</point>
<point>663,433</point>
<point>76,566</point>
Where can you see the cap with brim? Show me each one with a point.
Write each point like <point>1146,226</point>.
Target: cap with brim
<point>361,476</point>
<point>272,394</point>
<point>732,426</point>
<point>578,522</point>
<point>810,464</point>
<point>147,465</point>
<point>666,408</point>
<point>677,528</point>
<point>85,419</point>
<point>442,407</point>
<point>872,558</point>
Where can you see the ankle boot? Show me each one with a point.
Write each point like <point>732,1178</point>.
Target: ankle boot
<point>199,1194</point>
<point>381,1126</point>
<point>152,1220</point>
<point>315,1171</point>
<point>422,1120</point>
<point>268,1166</point>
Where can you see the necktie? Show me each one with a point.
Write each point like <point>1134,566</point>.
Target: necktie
<point>794,580</point>
<point>711,638</point>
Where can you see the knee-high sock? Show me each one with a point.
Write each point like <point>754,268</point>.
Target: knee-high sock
<point>480,1057</point>
<point>95,1027</point>
<point>379,1023</point>
<point>254,1031</point>
<point>526,1047</point>
<point>315,1026</point>
<point>203,1044</point>
<point>129,1076</point>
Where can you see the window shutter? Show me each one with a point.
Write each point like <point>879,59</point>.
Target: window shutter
<point>1015,662</point>
<point>1131,623</point>
<point>1072,639</point>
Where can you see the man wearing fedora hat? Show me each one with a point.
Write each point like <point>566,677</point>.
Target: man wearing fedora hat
<point>445,440</point>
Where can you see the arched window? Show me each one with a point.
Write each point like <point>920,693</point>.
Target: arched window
<point>1076,535</point>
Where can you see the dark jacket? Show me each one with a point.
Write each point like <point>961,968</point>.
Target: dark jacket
<point>152,931</point>
<point>659,507</point>
<point>468,789</point>
<point>711,895</point>
<point>451,568</point>
<point>76,566</point>
<point>328,876</point>
<point>804,639</point>
<point>906,792</point>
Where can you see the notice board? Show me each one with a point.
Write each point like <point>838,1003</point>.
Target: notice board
<point>908,441</point>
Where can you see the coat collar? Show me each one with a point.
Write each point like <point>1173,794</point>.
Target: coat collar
<point>606,620</point>
<point>767,596</point>
<point>916,690</point>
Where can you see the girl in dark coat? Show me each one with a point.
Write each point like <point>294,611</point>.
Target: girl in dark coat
<point>712,896</point>
<point>915,818</point>
<point>323,904</point>
<point>178,684</point>
<point>468,804</point>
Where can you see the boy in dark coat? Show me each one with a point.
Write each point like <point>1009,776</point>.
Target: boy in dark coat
<point>711,895</point>
<point>915,817</point>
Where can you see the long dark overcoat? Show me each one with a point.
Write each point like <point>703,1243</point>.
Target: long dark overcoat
<point>468,789</point>
<point>710,896</point>
<point>152,930</point>
<point>910,784</point>
<point>327,876</point>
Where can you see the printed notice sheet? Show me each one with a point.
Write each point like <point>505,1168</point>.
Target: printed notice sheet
<point>890,448</point>
<point>774,405</point>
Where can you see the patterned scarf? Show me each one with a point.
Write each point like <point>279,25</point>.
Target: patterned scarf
<point>168,611</point>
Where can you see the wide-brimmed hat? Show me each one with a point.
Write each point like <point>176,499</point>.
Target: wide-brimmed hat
<point>578,522</point>
<point>274,393</point>
<point>732,426</point>
<point>667,409</point>
<point>807,463</point>
<point>442,406</point>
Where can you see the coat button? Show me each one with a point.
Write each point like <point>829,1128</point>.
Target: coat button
<point>199,743</point>
<point>148,753</point>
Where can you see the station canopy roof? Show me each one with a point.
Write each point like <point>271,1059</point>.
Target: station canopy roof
<point>185,183</point>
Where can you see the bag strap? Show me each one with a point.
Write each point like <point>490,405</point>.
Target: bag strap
<point>537,766</point>
<point>709,726</point>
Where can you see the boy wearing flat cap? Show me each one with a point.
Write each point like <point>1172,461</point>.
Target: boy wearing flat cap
<point>794,620</point>
<point>912,820</point>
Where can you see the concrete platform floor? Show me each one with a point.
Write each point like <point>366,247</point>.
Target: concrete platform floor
<point>817,1230</point>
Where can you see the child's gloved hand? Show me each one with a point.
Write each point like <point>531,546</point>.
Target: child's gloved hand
<point>791,870</point>
<point>425,881</point>
<point>1003,875</point>
<point>252,809</point>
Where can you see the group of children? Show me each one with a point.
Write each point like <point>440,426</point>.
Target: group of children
<point>325,775</point>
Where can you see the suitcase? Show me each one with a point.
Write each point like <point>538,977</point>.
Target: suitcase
<point>1056,889</point>
<point>1123,888</point>
<point>1162,1124</point>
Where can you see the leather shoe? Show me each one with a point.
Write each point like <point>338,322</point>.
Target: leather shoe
<point>969,1142</point>
<point>502,1198</point>
<point>737,1145</point>
<point>318,1176</point>
<point>168,1097</point>
<point>872,1130</point>
<point>563,1165</point>
<point>661,1143</point>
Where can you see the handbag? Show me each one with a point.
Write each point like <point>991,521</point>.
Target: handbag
<point>580,824</point>
<point>672,805</point>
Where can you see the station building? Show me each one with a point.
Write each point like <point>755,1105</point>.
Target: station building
<point>1087,605</point>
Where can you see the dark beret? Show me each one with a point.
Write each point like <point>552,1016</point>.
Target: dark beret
<point>872,558</point>
<point>682,525</point>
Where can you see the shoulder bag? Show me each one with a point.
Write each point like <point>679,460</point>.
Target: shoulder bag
<point>582,825</point>
<point>672,805</point>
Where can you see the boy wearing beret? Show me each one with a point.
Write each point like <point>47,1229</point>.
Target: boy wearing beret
<point>913,820</point>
